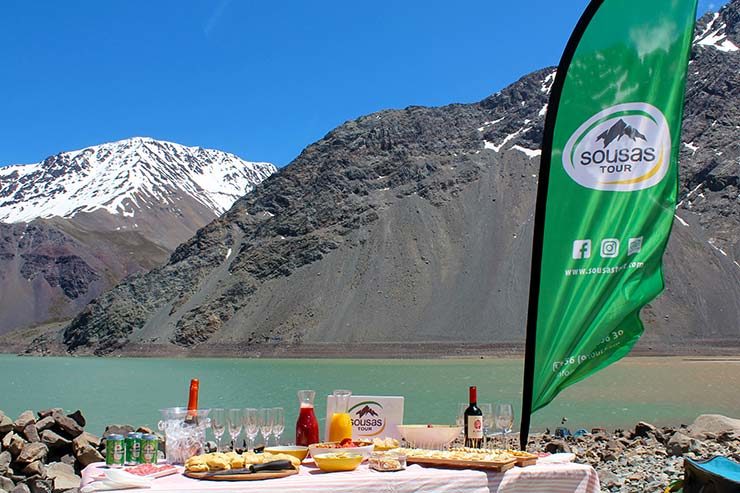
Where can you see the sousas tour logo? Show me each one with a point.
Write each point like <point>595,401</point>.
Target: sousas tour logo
<point>623,148</point>
<point>367,418</point>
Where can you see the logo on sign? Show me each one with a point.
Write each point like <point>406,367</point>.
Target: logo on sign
<point>623,148</point>
<point>367,418</point>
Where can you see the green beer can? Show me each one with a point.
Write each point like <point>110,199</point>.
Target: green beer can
<point>133,448</point>
<point>115,450</point>
<point>149,449</point>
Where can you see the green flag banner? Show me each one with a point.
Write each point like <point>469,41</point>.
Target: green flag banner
<point>607,190</point>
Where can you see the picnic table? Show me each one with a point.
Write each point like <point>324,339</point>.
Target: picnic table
<point>541,478</point>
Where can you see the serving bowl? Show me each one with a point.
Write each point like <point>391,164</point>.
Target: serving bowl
<point>297,451</point>
<point>337,461</point>
<point>317,449</point>
<point>429,436</point>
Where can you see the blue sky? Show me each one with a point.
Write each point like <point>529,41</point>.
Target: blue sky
<point>259,79</point>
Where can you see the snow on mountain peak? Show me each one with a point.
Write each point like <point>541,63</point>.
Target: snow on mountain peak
<point>124,176</point>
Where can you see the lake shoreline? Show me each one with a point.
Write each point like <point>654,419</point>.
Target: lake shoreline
<point>428,350</point>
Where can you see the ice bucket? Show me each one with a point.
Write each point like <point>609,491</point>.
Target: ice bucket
<point>184,433</point>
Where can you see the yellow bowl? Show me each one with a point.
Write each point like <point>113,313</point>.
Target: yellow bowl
<point>328,463</point>
<point>296,451</point>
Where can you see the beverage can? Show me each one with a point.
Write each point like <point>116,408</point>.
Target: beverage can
<point>149,449</point>
<point>115,450</point>
<point>133,448</point>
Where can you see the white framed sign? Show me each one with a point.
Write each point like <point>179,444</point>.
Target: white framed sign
<point>372,415</point>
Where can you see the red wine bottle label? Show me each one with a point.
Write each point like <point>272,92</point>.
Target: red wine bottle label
<point>475,427</point>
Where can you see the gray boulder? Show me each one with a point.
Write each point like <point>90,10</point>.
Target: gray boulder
<point>35,468</point>
<point>39,485</point>
<point>118,430</point>
<point>6,484</point>
<point>86,455</point>
<point>67,425</point>
<point>680,443</point>
<point>33,452</point>
<point>25,419</point>
<point>85,439</point>
<point>31,433</point>
<point>21,488</point>
<point>54,440</point>
<point>709,425</point>
<point>5,460</point>
<point>44,423</point>
<point>48,412</point>
<point>15,444</point>
<point>78,417</point>
<point>6,424</point>
<point>63,476</point>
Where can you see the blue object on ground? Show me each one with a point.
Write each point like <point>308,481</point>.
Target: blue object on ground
<point>716,475</point>
<point>580,433</point>
<point>562,432</point>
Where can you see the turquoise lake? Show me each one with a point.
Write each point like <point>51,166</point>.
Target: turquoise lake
<point>664,391</point>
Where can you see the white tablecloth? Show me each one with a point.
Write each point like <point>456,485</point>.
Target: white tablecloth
<point>541,478</point>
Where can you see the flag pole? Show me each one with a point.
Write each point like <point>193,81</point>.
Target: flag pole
<point>539,217</point>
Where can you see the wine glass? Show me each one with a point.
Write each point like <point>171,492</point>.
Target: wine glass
<point>487,410</point>
<point>265,423</point>
<point>278,425</point>
<point>504,419</point>
<point>251,426</point>
<point>234,422</point>
<point>218,425</point>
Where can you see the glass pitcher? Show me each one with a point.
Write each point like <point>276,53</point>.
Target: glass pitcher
<point>307,426</point>
<point>340,426</point>
<point>184,437</point>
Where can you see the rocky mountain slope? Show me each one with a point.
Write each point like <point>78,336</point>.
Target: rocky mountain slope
<point>77,223</point>
<point>415,225</point>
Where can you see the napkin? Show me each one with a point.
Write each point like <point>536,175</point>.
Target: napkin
<point>116,479</point>
<point>557,459</point>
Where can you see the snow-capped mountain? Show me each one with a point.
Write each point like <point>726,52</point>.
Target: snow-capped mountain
<point>125,178</point>
<point>75,224</point>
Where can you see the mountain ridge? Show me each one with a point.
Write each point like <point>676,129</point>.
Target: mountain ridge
<point>414,226</point>
<point>80,221</point>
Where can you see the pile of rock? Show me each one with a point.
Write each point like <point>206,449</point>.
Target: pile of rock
<point>45,452</point>
<point>648,458</point>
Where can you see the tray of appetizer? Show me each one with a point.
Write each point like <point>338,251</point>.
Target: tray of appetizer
<point>232,466</point>
<point>460,459</point>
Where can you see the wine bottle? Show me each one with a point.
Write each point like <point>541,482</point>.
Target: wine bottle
<point>192,416</point>
<point>473,421</point>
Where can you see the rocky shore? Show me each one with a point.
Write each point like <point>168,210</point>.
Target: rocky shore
<point>45,452</point>
<point>647,459</point>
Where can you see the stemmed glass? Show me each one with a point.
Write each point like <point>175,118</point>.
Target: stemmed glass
<point>487,409</point>
<point>460,418</point>
<point>266,420</point>
<point>235,425</point>
<point>218,425</point>
<point>278,425</point>
<point>504,419</point>
<point>251,426</point>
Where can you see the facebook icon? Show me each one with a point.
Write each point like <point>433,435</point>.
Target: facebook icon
<point>581,249</point>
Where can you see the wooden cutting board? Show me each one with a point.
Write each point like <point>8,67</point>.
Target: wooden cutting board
<point>257,476</point>
<point>463,464</point>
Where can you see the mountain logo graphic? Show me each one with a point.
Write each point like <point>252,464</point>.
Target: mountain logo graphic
<point>619,130</point>
<point>367,410</point>
<point>623,148</point>
<point>368,419</point>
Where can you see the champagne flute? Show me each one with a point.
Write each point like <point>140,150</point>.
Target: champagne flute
<point>265,423</point>
<point>278,425</point>
<point>251,426</point>
<point>218,425</point>
<point>234,422</point>
<point>487,409</point>
<point>504,419</point>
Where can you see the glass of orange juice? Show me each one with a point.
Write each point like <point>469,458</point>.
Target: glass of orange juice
<point>340,426</point>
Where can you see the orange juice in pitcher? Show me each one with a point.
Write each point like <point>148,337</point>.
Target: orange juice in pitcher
<point>340,426</point>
